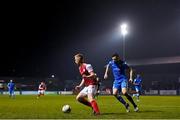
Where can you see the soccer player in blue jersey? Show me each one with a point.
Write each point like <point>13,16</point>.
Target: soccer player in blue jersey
<point>11,87</point>
<point>137,85</point>
<point>119,68</point>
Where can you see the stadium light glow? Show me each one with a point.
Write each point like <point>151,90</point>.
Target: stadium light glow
<point>124,29</point>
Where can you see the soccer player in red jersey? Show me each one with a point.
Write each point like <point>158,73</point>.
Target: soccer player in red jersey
<point>41,89</point>
<point>89,83</point>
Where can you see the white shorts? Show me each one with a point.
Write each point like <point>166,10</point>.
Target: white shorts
<point>41,91</point>
<point>89,89</point>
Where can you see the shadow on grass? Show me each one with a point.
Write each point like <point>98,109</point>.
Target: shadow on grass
<point>149,111</point>
<point>112,113</point>
<point>145,111</point>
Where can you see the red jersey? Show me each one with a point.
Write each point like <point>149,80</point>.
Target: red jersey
<point>86,69</point>
<point>42,87</point>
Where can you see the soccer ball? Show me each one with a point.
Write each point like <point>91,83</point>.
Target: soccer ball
<point>66,109</point>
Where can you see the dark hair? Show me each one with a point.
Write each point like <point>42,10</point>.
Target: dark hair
<point>115,55</point>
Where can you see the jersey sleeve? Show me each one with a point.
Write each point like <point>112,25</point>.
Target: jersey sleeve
<point>140,80</point>
<point>89,68</point>
<point>109,63</point>
<point>126,65</point>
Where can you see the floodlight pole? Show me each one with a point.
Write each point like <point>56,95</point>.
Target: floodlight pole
<point>124,49</point>
<point>124,32</point>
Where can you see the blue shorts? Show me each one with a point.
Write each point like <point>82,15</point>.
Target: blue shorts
<point>137,88</point>
<point>120,84</point>
<point>11,92</point>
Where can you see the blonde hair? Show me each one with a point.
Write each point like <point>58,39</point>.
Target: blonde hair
<point>80,56</point>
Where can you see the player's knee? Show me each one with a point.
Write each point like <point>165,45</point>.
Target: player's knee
<point>90,98</point>
<point>78,98</point>
<point>124,91</point>
<point>115,93</point>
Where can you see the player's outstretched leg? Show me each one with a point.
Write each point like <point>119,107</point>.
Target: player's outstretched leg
<point>131,100</point>
<point>124,92</point>
<point>95,107</point>
<point>120,99</point>
<point>93,104</point>
<point>83,101</point>
<point>13,95</point>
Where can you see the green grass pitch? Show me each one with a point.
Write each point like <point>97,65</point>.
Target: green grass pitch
<point>49,106</point>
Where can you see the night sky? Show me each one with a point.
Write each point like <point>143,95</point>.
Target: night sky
<point>40,38</point>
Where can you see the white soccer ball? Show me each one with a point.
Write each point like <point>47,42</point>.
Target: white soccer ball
<point>66,109</point>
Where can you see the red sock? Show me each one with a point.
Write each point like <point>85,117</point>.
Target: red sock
<point>95,106</point>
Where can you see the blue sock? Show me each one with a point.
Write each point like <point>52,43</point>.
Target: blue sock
<point>120,99</point>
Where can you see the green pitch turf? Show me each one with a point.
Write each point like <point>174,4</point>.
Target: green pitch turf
<point>49,106</point>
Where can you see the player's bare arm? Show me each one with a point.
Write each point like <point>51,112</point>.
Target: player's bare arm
<point>130,74</point>
<point>91,75</point>
<point>106,72</point>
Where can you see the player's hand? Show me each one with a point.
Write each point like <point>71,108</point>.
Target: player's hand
<point>84,76</point>
<point>130,80</point>
<point>105,76</point>
<point>77,88</point>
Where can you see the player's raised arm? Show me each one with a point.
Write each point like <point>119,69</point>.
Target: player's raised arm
<point>130,74</point>
<point>106,72</point>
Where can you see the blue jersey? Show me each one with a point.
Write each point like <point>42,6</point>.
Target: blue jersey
<point>11,86</point>
<point>137,81</point>
<point>118,69</point>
